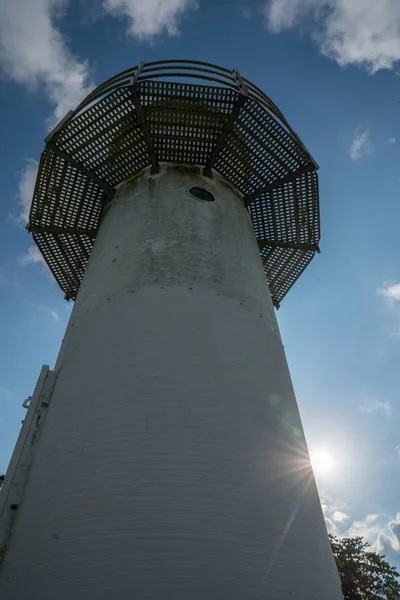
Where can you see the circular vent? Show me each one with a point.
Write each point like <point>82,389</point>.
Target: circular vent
<point>199,193</point>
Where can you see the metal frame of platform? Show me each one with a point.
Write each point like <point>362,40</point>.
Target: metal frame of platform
<point>180,112</point>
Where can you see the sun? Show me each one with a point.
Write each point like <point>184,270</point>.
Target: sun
<point>322,462</point>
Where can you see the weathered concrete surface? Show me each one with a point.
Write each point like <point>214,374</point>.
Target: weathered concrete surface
<point>172,464</point>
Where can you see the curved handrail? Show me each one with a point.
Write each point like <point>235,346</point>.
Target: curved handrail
<point>181,68</point>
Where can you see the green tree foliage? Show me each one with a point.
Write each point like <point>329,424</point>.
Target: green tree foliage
<point>365,575</point>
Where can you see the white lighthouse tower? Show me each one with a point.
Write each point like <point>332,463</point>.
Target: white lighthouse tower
<point>164,458</point>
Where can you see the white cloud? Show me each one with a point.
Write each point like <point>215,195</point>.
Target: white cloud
<point>34,53</point>
<point>379,530</point>
<point>54,315</point>
<point>247,11</point>
<point>371,518</point>
<point>285,14</point>
<point>391,291</point>
<point>352,32</point>
<point>360,145</point>
<point>391,140</point>
<point>31,257</point>
<point>330,526</point>
<point>148,18</point>
<point>372,406</point>
<point>389,540</point>
<point>334,515</point>
<point>25,190</point>
<point>48,312</point>
<point>369,530</point>
<point>44,314</point>
<point>338,516</point>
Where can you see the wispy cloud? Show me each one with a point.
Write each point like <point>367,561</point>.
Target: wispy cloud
<point>334,515</point>
<point>285,14</point>
<point>45,313</point>
<point>25,190</point>
<point>379,530</point>
<point>391,140</point>
<point>391,291</point>
<point>248,11</point>
<point>352,32</point>
<point>372,406</point>
<point>149,18</point>
<point>54,315</point>
<point>370,528</point>
<point>34,53</point>
<point>31,257</point>
<point>360,145</point>
<point>371,518</point>
<point>388,539</point>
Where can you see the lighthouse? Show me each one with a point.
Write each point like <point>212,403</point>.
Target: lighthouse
<point>163,457</point>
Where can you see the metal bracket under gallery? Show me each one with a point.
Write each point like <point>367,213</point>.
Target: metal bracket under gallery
<point>182,112</point>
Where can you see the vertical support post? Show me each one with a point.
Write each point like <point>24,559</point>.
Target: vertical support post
<point>155,167</point>
<point>229,123</point>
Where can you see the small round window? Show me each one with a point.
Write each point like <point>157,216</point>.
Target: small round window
<point>201,194</point>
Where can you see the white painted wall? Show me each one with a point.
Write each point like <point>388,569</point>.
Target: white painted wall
<point>18,471</point>
<point>172,464</point>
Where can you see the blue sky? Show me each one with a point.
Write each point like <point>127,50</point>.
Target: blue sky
<point>333,68</point>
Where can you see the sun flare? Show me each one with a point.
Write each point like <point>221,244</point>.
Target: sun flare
<point>322,462</point>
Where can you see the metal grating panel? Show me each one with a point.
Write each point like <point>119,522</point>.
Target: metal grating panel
<point>176,112</point>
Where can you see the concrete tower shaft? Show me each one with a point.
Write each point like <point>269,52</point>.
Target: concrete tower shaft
<point>164,456</point>
<point>172,463</point>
